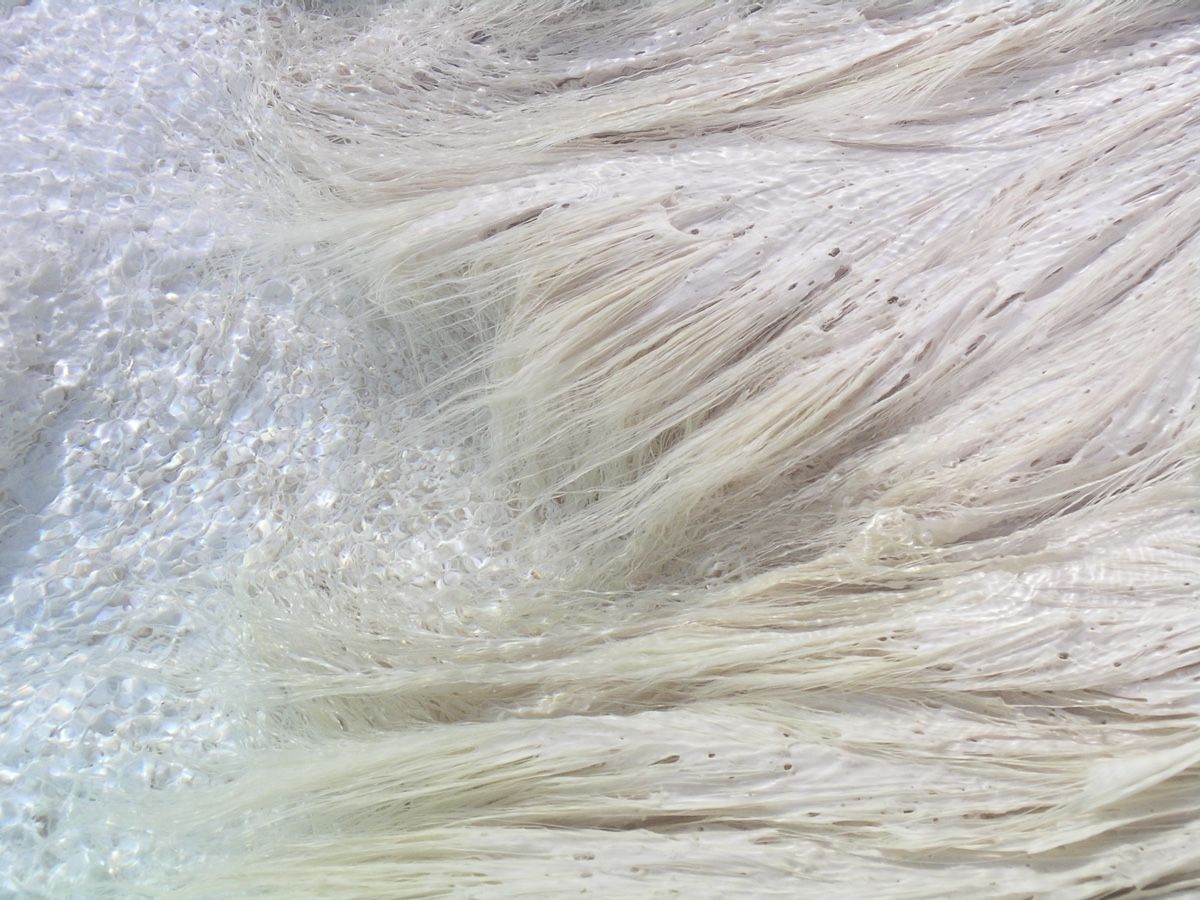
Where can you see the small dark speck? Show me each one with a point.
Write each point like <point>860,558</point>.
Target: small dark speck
<point>835,251</point>
<point>695,231</point>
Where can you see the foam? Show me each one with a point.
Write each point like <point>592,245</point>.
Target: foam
<point>167,420</point>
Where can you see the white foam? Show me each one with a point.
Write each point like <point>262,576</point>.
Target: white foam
<point>161,419</point>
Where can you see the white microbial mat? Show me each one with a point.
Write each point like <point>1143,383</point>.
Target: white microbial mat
<point>180,424</point>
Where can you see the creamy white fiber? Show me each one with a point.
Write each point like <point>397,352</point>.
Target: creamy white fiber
<point>720,450</point>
